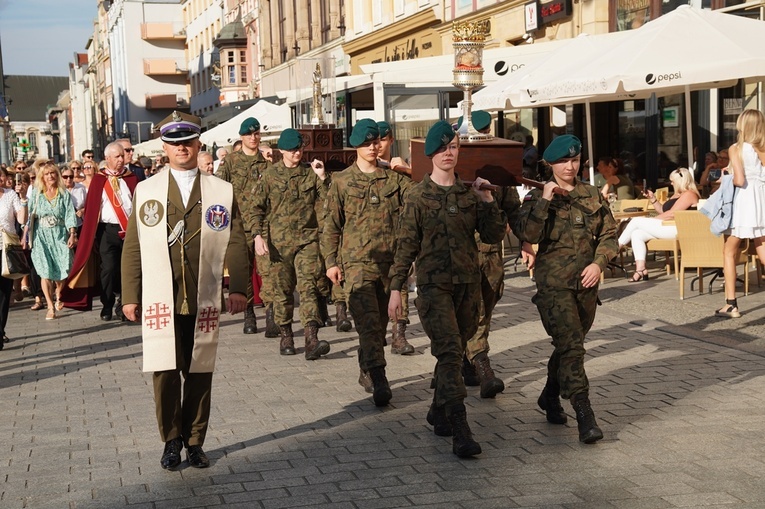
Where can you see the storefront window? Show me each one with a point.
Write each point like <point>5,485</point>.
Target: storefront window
<point>671,5</point>
<point>632,14</point>
<point>632,138</point>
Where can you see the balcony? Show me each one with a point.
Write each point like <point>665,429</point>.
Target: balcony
<point>162,32</point>
<point>167,101</point>
<point>163,67</point>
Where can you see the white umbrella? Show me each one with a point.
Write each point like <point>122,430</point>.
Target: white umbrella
<point>149,148</point>
<point>272,118</point>
<point>686,49</point>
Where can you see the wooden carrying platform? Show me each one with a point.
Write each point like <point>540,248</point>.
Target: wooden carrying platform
<point>499,161</point>
<point>325,143</point>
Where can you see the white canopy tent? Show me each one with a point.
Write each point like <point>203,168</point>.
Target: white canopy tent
<point>686,49</point>
<point>272,118</point>
<point>149,148</point>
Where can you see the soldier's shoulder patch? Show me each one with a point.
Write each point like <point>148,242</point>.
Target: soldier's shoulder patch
<point>528,197</point>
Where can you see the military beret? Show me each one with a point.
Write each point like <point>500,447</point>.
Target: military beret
<point>440,134</point>
<point>384,128</point>
<point>365,130</point>
<point>566,145</point>
<point>290,139</point>
<point>481,120</point>
<point>249,125</point>
<point>179,126</point>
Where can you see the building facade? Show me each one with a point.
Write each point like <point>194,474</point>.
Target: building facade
<point>202,21</point>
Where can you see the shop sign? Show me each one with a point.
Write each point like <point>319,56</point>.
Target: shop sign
<point>531,16</point>
<point>424,44</point>
<point>552,11</point>
<point>669,116</point>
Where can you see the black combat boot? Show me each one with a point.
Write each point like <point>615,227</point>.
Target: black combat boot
<point>549,401</point>
<point>490,384</point>
<point>272,330</point>
<point>313,347</point>
<point>399,345</point>
<point>589,432</point>
<point>463,444</point>
<point>250,322</point>
<point>342,324</point>
<point>325,321</point>
<point>366,382</point>
<point>287,342</point>
<point>469,373</point>
<point>382,393</point>
<point>437,418</point>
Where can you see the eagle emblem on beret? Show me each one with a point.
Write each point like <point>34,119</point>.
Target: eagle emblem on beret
<point>445,139</point>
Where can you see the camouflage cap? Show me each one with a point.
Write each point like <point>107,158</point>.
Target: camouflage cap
<point>250,125</point>
<point>179,126</point>
<point>365,130</point>
<point>566,145</point>
<point>439,135</point>
<point>481,120</point>
<point>290,139</point>
<point>384,128</point>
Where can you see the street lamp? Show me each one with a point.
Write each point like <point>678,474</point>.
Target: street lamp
<point>138,125</point>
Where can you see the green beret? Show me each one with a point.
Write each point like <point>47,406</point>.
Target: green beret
<point>365,130</point>
<point>384,128</point>
<point>290,139</point>
<point>481,120</point>
<point>563,146</point>
<point>250,125</point>
<point>438,136</point>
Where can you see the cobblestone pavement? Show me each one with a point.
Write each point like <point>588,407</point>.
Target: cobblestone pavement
<point>679,396</point>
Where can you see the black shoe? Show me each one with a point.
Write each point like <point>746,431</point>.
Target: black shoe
<point>272,330</point>
<point>549,401</point>
<point>197,457</point>
<point>171,456</point>
<point>463,444</point>
<point>106,316</point>
<point>250,323</point>
<point>589,432</point>
<point>437,418</point>
<point>120,315</point>
<point>381,393</point>
<point>469,373</point>
<point>490,384</point>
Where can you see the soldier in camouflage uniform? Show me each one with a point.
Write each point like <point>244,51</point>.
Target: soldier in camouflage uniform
<point>360,224</point>
<point>284,207</point>
<point>477,369</point>
<point>243,169</point>
<point>437,228</point>
<point>577,238</point>
<point>399,344</point>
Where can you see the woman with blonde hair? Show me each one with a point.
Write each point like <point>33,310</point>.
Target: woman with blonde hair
<point>54,232</point>
<point>747,158</point>
<point>642,229</point>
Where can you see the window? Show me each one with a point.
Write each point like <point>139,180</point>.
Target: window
<point>230,56</point>
<point>243,74</point>
<point>232,75</point>
<point>33,142</point>
<point>325,21</point>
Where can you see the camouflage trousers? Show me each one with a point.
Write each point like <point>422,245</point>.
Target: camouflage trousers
<point>567,316</point>
<point>368,304</point>
<point>261,264</point>
<point>492,288</point>
<point>405,299</point>
<point>324,286</point>
<point>449,315</point>
<point>293,267</point>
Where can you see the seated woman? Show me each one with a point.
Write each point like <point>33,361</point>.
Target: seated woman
<point>642,229</point>
<point>616,181</point>
<point>710,178</point>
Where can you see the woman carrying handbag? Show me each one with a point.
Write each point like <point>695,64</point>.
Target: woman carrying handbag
<point>12,209</point>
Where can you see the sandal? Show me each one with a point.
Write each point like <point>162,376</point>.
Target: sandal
<point>37,306</point>
<point>59,305</point>
<point>730,310</point>
<point>639,276</point>
<point>51,314</point>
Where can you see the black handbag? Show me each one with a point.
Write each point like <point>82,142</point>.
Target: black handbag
<point>14,261</point>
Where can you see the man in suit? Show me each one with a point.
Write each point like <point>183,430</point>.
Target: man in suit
<point>137,170</point>
<point>189,226</point>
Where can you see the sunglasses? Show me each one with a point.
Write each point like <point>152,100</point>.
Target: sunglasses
<point>129,150</point>
<point>89,156</point>
<point>76,167</point>
<point>67,177</point>
<point>87,167</point>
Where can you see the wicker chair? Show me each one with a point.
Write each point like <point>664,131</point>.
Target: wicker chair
<point>701,249</point>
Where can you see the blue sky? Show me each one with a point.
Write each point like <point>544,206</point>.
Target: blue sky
<point>40,37</point>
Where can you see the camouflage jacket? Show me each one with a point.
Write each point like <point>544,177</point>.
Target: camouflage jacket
<point>284,205</point>
<point>572,232</point>
<point>508,201</point>
<point>243,172</point>
<point>361,220</point>
<point>437,228</point>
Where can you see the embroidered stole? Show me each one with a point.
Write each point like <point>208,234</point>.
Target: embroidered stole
<point>158,299</point>
<point>113,191</point>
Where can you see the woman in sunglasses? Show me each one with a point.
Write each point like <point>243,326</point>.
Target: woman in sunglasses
<point>77,191</point>
<point>88,170</point>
